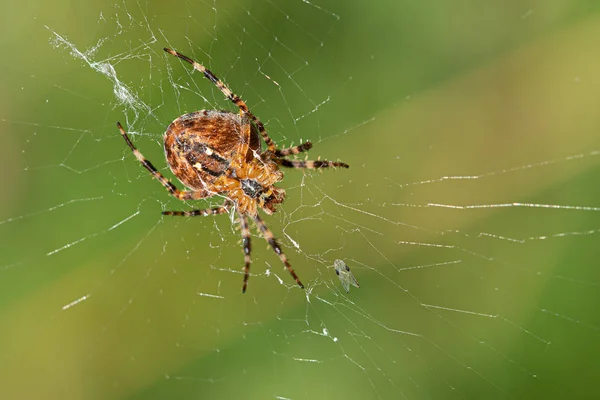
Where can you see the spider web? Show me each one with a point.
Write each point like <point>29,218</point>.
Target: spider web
<point>470,215</point>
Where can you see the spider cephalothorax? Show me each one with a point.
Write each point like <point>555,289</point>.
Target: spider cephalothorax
<point>254,188</point>
<point>220,153</point>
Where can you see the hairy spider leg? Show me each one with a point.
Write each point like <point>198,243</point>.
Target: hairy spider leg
<point>247,246</point>
<point>307,164</point>
<point>235,99</point>
<point>196,213</point>
<point>172,189</point>
<point>268,235</point>
<point>244,228</point>
<point>293,150</point>
<point>310,164</point>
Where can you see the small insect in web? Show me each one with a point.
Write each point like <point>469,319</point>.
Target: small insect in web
<point>346,277</point>
<point>220,153</point>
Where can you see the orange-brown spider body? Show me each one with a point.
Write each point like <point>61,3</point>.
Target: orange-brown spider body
<point>217,151</point>
<point>220,153</point>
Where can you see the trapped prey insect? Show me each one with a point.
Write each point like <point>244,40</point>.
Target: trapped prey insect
<point>345,275</point>
<point>219,153</point>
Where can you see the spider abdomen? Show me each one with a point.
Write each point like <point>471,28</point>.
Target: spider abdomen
<point>201,146</point>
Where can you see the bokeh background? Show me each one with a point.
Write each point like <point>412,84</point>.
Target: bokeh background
<point>470,214</point>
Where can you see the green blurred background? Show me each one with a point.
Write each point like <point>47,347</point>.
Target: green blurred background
<point>470,214</point>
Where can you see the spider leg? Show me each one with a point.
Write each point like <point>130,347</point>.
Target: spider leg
<point>180,194</point>
<point>310,164</point>
<point>235,99</point>
<point>293,150</point>
<point>268,235</point>
<point>247,248</point>
<point>195,213</point>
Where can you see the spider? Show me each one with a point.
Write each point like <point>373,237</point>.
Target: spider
<point>219,153</point>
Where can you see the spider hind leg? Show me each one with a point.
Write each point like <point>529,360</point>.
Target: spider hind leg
<point>180,194</point>
<point>196,213</point>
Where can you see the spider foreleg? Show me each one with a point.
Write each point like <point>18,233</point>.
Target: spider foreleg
<point>294,150</point>
<point>268,235</point>
<point>310,164</point>
<point>247,248</point>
